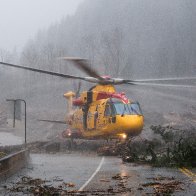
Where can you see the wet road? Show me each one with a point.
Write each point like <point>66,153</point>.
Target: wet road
<point>90,172</point>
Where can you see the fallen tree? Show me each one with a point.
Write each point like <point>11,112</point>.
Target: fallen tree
<point>176,148</point>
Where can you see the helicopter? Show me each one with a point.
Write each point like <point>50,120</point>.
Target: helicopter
<point>101,111</point>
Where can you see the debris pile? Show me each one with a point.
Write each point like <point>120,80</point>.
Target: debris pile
<point>39,187</point>
<point>163,185</point>
<point>180,147</point>
<point>116,185</point>
<point>107,150</point>
<point>122,183</point>
<point>28,185</point>
<point>176,148</point>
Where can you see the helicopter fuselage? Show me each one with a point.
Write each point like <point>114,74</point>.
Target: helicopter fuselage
<point>102,112</point>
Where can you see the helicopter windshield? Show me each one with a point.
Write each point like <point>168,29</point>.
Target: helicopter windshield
<point>131,108</point>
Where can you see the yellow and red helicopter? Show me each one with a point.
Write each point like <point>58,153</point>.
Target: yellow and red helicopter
<point>101,111</point>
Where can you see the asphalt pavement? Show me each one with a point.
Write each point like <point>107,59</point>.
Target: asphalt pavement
<point>103,175</point>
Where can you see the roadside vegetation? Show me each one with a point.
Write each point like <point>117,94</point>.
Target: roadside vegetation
<point>2,154</point>
<point>176,148</point>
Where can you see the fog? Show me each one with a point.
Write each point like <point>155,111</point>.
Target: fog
<point>21,19</point>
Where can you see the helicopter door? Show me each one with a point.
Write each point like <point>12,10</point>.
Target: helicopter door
<point>110,114</point>
<point>91,117</point>
<point>100,122</point>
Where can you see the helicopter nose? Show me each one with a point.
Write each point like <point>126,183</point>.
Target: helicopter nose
<point>131,124</point>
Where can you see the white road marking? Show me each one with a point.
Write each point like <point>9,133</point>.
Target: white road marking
<point>93,175</point>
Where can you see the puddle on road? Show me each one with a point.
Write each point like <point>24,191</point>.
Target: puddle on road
<point>8,139</point>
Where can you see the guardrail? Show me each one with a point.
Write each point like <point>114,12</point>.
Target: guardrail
<point>12,163</point>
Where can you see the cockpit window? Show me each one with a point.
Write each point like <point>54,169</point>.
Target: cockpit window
<point>121,108</point>
<point>131,108</point>
<point>135,108</point>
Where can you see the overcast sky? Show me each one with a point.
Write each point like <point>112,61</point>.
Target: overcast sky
<point>21,19</point>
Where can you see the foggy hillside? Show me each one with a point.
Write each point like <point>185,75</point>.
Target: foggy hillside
<point>123,38</point>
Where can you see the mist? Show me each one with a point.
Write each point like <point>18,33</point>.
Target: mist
<point>21,19</point>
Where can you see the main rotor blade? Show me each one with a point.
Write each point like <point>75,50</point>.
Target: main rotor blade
<point>84,65</point>
<point>42,71</point>
<point>163,79</point>
<point>158,84</point>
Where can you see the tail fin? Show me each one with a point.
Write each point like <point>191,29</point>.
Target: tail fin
<point>69,96</point>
